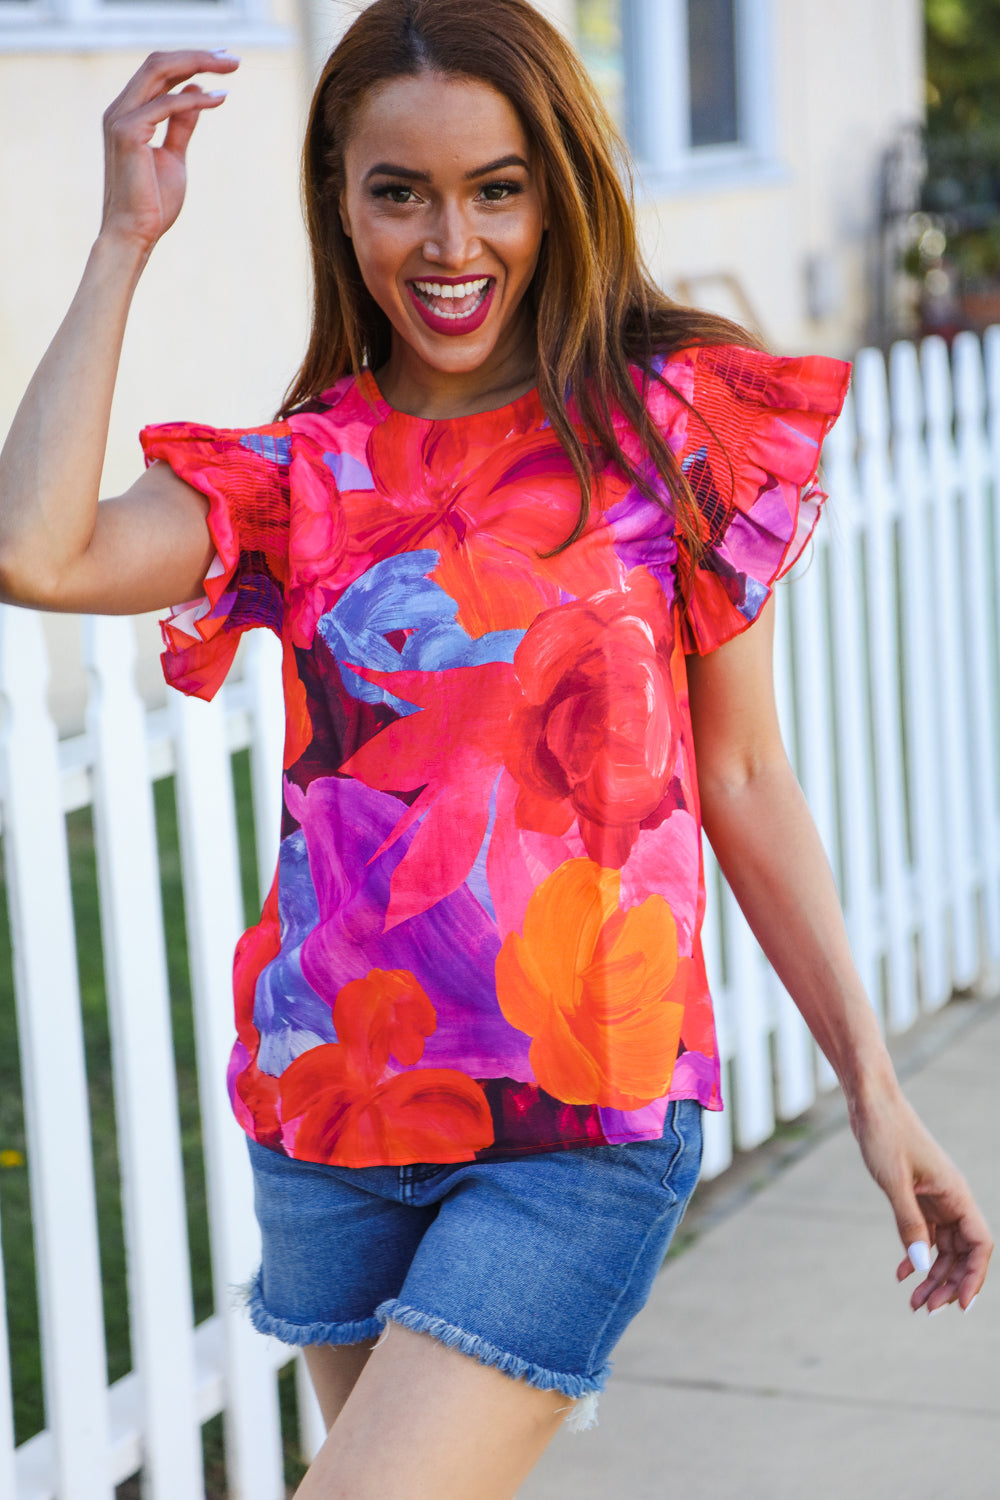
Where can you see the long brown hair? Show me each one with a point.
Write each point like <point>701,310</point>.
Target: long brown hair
<point>597,309</point>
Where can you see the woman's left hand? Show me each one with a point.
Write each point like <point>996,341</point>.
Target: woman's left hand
<point>932,1203</point>
<point>766,843</point>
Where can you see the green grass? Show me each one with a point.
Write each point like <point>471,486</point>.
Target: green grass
<point>15,1208</point>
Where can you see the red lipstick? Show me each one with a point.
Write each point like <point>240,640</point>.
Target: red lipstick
<point>450,315</point>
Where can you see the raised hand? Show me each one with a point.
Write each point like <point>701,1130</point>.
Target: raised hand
<point>58,548</point>
<point>144,184</point>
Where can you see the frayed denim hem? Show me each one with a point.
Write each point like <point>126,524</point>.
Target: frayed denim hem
<point>582,1389</point>
<point>301,1334</point>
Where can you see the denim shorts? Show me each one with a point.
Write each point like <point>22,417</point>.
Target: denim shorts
<point>534,1265</point>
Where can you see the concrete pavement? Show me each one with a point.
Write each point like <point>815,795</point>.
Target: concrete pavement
<point>778,1358</point>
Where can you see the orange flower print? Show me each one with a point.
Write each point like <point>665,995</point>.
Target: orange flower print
<point>350,1114</point>
<point>600,990</point>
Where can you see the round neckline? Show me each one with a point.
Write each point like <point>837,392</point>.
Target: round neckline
<point>529,402</point>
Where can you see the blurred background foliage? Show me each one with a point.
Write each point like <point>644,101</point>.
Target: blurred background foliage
<point>950,241</point>
<point>963,66</point>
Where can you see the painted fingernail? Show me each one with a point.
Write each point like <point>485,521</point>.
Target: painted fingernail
<point>920,1255</point>
<point>935,1310</point>
<point>218,93</point>
<point>225,52</point>
<point>971,1305</point>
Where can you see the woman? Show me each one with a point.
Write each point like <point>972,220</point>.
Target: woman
<point>513,527</point>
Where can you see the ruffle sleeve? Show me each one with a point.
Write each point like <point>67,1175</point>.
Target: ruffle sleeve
<point>243,473</point>
<point>751,455</point>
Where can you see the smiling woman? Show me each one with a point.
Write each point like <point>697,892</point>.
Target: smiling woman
<point>446,241</point>
<point>516,526</point>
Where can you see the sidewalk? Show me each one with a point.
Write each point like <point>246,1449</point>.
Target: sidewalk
<point>778,1359</point>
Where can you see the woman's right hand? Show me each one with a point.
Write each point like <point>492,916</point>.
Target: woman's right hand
<point>58,548</point>
<point>144,184</point>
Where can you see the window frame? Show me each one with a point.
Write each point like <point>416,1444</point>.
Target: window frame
<point>104,25</point>
<point>658,104</point>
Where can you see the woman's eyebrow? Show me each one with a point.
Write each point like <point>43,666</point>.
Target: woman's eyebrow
<point>389,169</point>
<point>386,169</point>
<point>498,166</point>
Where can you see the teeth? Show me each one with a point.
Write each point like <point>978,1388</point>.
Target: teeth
<point>447,292</point>
<point>443,293</point>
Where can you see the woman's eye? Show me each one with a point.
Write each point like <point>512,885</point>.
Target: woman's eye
<point>393,192</point>
<point>496,192</point>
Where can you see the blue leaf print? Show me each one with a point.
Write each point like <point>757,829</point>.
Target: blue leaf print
<point>396,594</point>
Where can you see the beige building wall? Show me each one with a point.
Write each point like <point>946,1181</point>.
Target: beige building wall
<point>845,78</point>
<point>221,315</point>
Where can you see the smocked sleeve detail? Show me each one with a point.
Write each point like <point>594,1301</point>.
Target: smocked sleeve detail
<point>244,476</point>
<point>751,456</point>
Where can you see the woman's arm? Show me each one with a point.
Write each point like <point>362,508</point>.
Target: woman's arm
<point>769,850</point>
<point>150,548</point>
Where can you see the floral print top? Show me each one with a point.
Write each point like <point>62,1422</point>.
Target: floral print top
<point>482,939</point>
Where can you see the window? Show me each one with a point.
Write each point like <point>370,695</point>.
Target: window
<point>713,103</point>
<point>92,25</point>
<point>687,80</point>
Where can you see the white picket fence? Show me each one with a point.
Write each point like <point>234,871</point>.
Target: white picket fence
<point>889,687</point>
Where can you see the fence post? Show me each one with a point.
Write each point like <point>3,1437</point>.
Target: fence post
<point>883,654</point>
<point>970,412</point>
<point>991,362</point>
<point>50,1029</point>
<point>794,1087</point>
<point>145,1083</point>
<point>921,705</point>
<point>312,1428</point>
<point>817,766</point>
<point>717,1150</point>
<point>953,698</point>
<point>851,708</point>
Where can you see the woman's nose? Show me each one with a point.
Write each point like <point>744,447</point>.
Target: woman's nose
<point>451,241</point>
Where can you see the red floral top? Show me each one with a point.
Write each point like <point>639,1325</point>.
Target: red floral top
<point>483,934</point>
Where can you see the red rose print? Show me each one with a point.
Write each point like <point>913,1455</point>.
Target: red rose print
<point>596,737</point>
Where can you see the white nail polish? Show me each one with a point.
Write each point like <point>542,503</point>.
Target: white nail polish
<point>935,1310</point>
<point>218,94</point>
<point>971,1304</point>
<point>920,1256</point>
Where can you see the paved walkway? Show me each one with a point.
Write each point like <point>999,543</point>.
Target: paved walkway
<point>778,1358</point>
